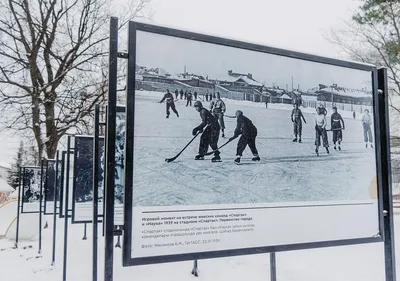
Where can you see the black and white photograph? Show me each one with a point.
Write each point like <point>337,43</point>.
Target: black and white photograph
<point>52,186</point>
<point>243,144</point>
<point>266,128</point>
<point>63,189</point>
<point>83,180</point>
<point>119,166</point>
<point>31,180</point>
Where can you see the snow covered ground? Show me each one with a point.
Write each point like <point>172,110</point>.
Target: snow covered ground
<point>350,263</point>
<point>287,171</point>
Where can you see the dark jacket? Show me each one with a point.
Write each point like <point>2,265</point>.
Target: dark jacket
<point>245,127</point>
<point>335,121</point>
<point>169,97</point>
<point>207,119</point>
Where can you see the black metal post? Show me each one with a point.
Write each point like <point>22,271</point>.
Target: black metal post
<point>103,224</point>
<point>53,258</point>
<point>84,232</point>
<point>195,270</point>
<point>66,187</point>
<point>20,187</point>
<point>118,245</point>
<point>272,266</point>
<point>96,166</point>
<point>387,200</point>
<point>110,152</point>
<point>40,206</point>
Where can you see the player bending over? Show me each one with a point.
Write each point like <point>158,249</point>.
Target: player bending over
<point>297,115</point>
<point>336,125</point>
<point>169,103</point>
<point>248,133</point>
<point>210,135</point>
<point>320,131</point>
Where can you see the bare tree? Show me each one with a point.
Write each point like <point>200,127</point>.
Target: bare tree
<point>373,36</point>
<point>53,64</point>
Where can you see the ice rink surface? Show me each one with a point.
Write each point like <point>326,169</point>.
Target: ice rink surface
<point>287,171</point>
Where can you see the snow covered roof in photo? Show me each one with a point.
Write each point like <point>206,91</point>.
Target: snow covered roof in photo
<point>232,77</point>
<point>345,92</point>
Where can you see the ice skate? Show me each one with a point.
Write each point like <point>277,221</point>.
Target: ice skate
<point>299,140</point>
<point>237,160</point>
<point>327,150</point>
<point>316,151</point>
<point>199,157</point>
<point>339,148</point>
<point>256,158</point>
<point>167,116</point>
<point>366,145</point>
<point>177,115</point>
<point>295,140</point>
<point>216,158</point>
<point>372,146</point>
<point>334,147</point>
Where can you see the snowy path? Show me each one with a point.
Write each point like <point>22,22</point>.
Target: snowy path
<point>350,263</point>
<point>287,171</point>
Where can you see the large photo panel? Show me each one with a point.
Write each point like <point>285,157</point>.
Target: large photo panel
<point>67,165</point>
<point>119,171</point>
<point>281,150</point>
<point>83,180</point>
<point>52,187</point>
<point>31,180</point>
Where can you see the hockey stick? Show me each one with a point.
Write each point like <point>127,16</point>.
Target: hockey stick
<point>338,129</point>
<point>176,156</point>
<point>211,152</point>
<point>229,116</point>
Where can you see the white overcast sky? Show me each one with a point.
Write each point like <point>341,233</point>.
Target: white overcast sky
<point>289,24</point>
<point>293,24</point>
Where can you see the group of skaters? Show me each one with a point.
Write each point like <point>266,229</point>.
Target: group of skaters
<point>212,123</point>
<point>337,127</point>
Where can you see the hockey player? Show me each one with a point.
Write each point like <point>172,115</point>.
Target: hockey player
<point>210,135</point>
<point>298,100</point>
<point>366,122</point>
<point>169,103</point>
<point>218,108</point>
<point>320,131</point>
<point>176,94</point>
<point>336,126</point>
<point>296,117</point>
<point>195,95</point>
<point>189,98</point>
<point>248,133</point>
<point>322,107</point>
<point>181,93</point>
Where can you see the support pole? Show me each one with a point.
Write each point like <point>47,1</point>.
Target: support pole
<point>84,232</point>
<point>118,245</point>
<point>272,266</point>
<point>387,199</point>
<point>110,152</point>
<point>66,188</point>
<point>53,258</point>
<point>195,270</point>
<point>96,167</point>
<point>20,189</point>
<point>40,206</point>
